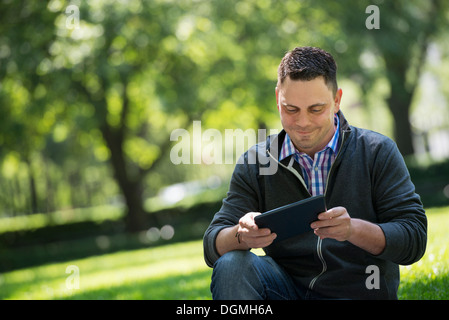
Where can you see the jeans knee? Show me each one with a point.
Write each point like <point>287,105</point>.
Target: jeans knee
<point>233,259</point>
<point>234,267</point>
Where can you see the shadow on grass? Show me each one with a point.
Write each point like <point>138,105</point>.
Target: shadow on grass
<point>192,286</point>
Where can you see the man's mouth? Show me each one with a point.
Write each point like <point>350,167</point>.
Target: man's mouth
<point>304,133</point>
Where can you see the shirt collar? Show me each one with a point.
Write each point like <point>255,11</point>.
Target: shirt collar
<point>288,148</point>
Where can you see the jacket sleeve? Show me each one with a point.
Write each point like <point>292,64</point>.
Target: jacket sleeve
<point>399,209</point>
<point>242,198</point>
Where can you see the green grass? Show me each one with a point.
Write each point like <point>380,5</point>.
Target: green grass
<point>174,271</point>
<point>428,279</point>
<point>178,271</point>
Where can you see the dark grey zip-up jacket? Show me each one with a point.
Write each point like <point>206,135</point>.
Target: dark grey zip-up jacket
<point>369,178</point>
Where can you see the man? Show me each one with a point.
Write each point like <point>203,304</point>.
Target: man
<point>374,221</point>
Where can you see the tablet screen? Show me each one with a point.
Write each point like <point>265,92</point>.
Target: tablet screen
<point>292,219</point>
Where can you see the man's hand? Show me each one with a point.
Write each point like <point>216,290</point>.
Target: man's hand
<point>335,223</point>
<point>251,235</point>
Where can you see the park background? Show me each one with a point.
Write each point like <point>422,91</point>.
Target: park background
<point>91,205</point>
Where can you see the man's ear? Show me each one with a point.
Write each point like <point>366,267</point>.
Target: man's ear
<point>337,100</point>
<point>277,97</point>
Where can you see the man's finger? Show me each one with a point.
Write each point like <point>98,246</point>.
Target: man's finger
<point>331,214</point>
<point>254,233</point>
<point>247,221</point>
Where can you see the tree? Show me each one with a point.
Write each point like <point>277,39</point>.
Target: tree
<point>127,73</point>
<point>119,57</point>
<point>24,91</point>
<point>399,49</point>
<point>147,60</point>
<point>409,29</point>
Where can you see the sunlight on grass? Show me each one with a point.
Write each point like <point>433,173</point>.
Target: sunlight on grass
<point>429,277</point>
<point>142,274</point>
<point>40,220</point>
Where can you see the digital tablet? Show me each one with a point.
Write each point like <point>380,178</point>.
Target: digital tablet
<point>292,219</point>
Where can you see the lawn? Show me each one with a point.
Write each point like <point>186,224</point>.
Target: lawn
<point>429,278</point>
<point>174,271</point>
<point>178,271</point>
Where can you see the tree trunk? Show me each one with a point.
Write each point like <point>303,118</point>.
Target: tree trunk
<point>50,196</point>
<point>32,186</point>
<point>399,106</point>
<point>398,49</point>
<point>399,102</point>
<point>136,218</point>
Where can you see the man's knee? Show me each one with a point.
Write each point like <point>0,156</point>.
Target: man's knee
<point>234,260</point>
<point>235,269</point>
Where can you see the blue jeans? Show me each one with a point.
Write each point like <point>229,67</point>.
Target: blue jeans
<point>242,275</point>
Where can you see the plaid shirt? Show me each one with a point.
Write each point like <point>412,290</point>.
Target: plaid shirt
<point>315,170</point>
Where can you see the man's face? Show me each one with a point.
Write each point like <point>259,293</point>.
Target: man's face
<point>307,111</point>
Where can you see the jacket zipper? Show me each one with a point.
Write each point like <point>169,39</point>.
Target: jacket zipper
<point>319,241</point>
<point>323,262</point>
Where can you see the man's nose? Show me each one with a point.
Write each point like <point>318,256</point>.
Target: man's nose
<point>302,121</point>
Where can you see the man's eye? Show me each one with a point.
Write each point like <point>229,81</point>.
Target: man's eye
<point>291,109</point>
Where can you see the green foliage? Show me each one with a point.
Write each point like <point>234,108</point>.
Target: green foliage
<point>87,110</point>
<point>431,182</point>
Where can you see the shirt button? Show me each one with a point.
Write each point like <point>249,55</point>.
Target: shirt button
<point>316,168</point>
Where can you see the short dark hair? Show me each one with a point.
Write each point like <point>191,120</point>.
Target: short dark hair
<point>308,63</point>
